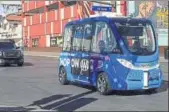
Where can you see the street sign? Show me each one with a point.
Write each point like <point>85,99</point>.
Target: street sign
<point>102,8</point>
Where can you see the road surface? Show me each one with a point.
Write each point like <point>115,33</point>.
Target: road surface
<point>36,86</point>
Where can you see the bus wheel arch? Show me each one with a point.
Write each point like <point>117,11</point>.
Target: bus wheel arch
<point>103,83</point>
<point>62,75</point>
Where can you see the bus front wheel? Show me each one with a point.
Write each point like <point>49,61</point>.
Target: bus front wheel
<point>63,76</point>
<point>103,84</point>
<point>150,91</point>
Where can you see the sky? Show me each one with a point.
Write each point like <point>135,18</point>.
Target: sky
<point>10,2</point>
<point>12,9</point>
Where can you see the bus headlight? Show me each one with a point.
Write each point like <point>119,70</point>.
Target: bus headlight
<point>125,63</point>
<point>129,65</point>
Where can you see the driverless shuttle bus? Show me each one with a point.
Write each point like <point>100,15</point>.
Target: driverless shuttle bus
<point>111,54</point>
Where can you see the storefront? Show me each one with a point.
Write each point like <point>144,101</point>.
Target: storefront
<point>157,12</point>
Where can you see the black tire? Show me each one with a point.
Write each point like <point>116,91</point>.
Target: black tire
<point>63,76</point>
<point>20,64</point>
<point>103,86</point>
<point>150,91</point>
<point>6,65</point>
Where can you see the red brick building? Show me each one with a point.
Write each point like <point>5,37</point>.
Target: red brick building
<point>43,21</point>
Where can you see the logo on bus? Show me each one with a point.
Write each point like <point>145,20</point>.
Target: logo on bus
<point>80,66</point>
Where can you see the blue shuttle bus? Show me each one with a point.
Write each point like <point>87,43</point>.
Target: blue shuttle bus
<point>117,53</point>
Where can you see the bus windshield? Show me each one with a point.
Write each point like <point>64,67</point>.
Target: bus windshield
<point>139,38</point>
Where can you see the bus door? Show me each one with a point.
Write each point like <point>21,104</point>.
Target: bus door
<point>66,52</point>
<point>103,47</point>
<point>80,56</point>
<point>86,49</point>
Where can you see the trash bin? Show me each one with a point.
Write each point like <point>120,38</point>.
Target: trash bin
<point>166,53</point>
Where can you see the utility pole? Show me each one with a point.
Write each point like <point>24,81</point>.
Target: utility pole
<point>23,16</point>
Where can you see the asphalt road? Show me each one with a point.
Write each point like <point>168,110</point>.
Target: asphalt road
<point>36,86</point>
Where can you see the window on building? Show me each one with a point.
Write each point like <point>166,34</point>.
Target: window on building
<point>5,26</point>
<point>104,39</point>
<point>25,42</point>
<point>35,42</point>
<point>59,41</point>
<point>52,7</point>
<point>68,3</point>
<point>67,38</point>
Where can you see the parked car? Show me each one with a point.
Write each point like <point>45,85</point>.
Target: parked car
<point>10,53</point>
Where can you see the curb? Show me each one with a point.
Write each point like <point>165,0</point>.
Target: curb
<point>161,59</point>
<point>42,56</point>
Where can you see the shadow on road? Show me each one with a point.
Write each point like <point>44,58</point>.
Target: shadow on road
<point>88,87</point>
<point>65,102</point>
<point>14,109</point>
<point>28,64</point>
<point>48,99</point>
<point>163,88</point>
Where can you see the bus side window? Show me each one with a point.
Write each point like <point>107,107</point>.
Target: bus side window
<point>77,38</point>
<point>103,39</point>
<point>68,33</point>
<point>87,37</point>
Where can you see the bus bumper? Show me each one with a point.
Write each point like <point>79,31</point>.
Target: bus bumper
<point>140,80</point>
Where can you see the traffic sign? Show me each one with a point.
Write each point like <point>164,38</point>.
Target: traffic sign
<point>102,8</point>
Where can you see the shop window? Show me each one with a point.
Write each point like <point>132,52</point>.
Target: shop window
<point>59,41</point>
<point>53,41</point>
<point>35,42</point>
<point>56,41</point>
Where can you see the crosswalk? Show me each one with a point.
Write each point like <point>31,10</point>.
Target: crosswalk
<point>53,103</point>
<point>7,108</point>
<point>62,102</point>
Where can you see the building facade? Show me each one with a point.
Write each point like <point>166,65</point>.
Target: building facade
<point>11,28</point>
<point>157,12</point>
<point>44,21</point>
<point>10,22</point>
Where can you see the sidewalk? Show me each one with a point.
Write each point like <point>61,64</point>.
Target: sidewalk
<point>56,55</point>
<point>42,54</point>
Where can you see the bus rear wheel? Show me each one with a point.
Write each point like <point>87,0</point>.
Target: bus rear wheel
<point>63,76</point>
<point>103,84</point>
